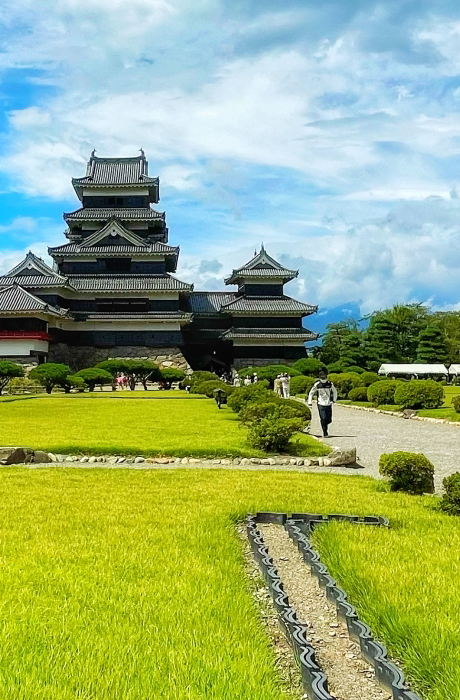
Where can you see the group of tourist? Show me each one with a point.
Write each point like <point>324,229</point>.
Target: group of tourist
<point>282,385</point>
<point>247,381</point>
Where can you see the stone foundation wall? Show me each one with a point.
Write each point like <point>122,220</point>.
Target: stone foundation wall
<point>241,362</point>
<point>87,356</point>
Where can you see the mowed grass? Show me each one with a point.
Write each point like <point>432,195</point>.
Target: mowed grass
<point>137,423</point>
<point>131,584</point>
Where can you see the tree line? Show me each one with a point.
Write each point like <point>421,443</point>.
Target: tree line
<point>403,333</point>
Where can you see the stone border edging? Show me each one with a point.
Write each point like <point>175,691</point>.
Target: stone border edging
<point>399,414</point>
<point>387,673</point>
<point>314,680</point>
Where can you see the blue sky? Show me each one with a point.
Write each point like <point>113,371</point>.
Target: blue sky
<point>328,130</point>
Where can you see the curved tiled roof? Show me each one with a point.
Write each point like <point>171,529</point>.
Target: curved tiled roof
<point>35,281</point>
<point>15,299</point>
<point>268,305</point>
<point>81,249</point>
<point>128,283</point>
<point>209,302</point>
<point>260,266</point>
<point>123,213</point>
<point>116,171</point>
<point>280,273</point>
<point>270,334</point>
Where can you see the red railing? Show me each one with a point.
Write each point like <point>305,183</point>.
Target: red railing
<point>26,335</point>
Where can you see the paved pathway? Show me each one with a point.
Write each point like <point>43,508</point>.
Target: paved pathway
<point>375,433</point>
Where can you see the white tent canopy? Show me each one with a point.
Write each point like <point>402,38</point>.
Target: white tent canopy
<point>418,369</point>
<point>454,369</point>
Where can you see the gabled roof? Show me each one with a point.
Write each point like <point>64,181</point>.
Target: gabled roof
<point>35,281</point>
<point>117,172</point>
<point>260,305</point>
<point>31,266</point>
<point>131,243</point>
<point>261,266</point>
<point>122,213</point>
<point>16,300</point>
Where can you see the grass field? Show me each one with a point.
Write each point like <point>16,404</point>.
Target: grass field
<point>127,584</point>
<point>138,423</point>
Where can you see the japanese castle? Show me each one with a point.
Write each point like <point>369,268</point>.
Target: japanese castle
<point>111,291</point>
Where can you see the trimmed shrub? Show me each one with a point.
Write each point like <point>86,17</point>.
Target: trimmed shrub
<point>408,471</point>
<point>456,403</point>
<point>419,393</point>
<point>8,371</point>
<point>50,374</point>
<point>274,435</point>
<point>72,381</point>
<point>359,393</point>
<point>355,369</point>
<point>337,367</point>
<point>254,412</point>
<point>203,376</point>
<point>207,388</point>
<point>254,392</point>
<point>369,378</point>
<point>114,366</point>
<point>301,385</point>
<point>169,375</point>
<point>95,376</point>
<point>382,393</point>
<point>346,382</point>
<point>450,502</point>
<point>309,366</point>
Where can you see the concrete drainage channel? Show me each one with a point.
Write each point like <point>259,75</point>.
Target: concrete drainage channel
<point>349,662</point>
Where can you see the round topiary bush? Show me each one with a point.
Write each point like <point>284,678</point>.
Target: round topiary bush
<point>450,502</point>
<point>208,388</point>
<point>359,393</point>
<point>369,378</point>
<point>419,393</point>
<point>408,471</point>
<point>309,366</point>
<point>345,382</point>
<point>301,385</point>
<point>456,403</point>
<point>273,435</point>
<point>382,393</point>
<point>245,394</point>
<point>254,412</point>
<point>354,368</point>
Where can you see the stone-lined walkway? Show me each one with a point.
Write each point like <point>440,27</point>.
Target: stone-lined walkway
<point>375,433</point>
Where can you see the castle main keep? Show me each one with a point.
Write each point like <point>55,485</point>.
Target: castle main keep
<point>111,291</point>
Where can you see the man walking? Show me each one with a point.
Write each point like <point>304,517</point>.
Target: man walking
<point>327,395</point>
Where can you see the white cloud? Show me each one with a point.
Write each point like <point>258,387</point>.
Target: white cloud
<point>356,131</point>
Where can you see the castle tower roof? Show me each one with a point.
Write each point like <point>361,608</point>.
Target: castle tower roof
<point>102,173</point>
<point>261,266</point>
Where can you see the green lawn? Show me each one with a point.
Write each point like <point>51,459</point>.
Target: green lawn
<point>130,584</point>
<point>138,423</point>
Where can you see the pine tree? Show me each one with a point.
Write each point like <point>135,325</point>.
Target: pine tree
<point>432,346</point>
<point>380,339</point>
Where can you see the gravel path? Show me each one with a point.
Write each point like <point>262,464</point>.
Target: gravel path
<point>349,676</point>
<point>375,433</point>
